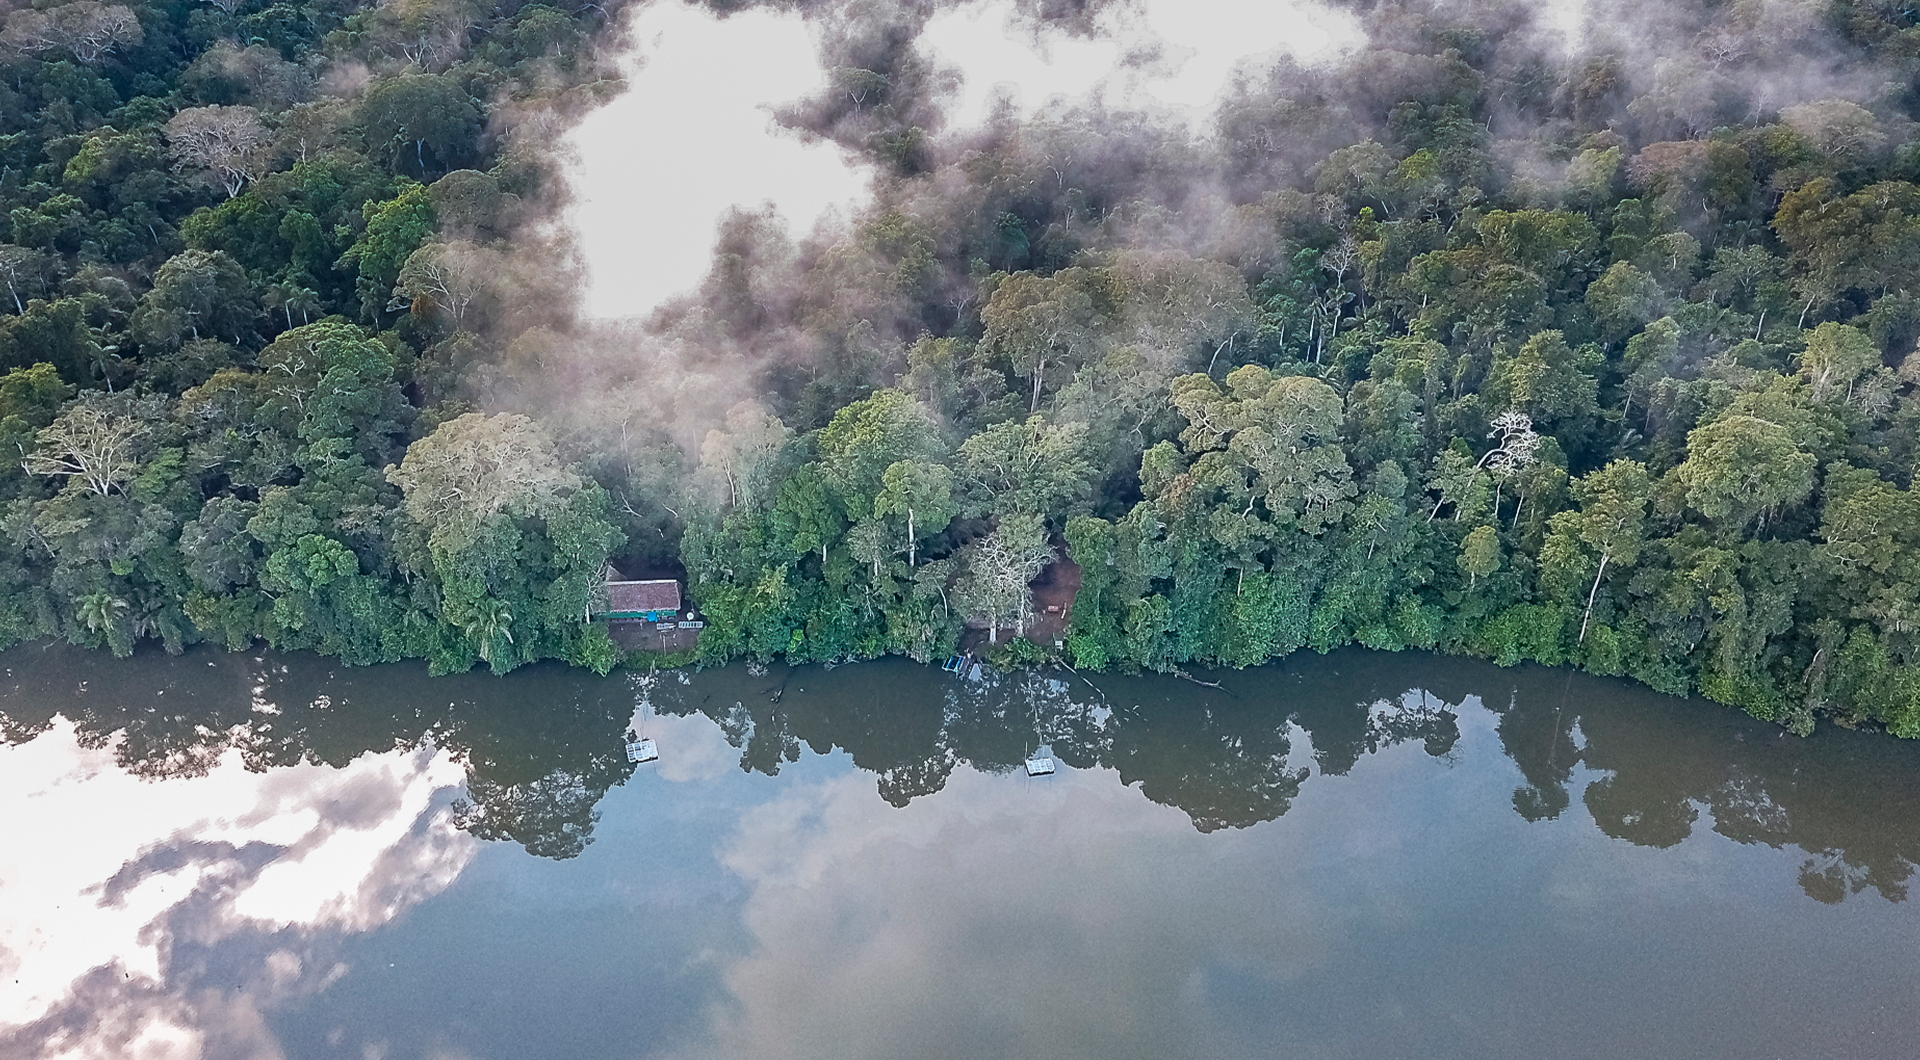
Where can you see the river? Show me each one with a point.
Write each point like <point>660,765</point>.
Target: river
<point>1357,855</point>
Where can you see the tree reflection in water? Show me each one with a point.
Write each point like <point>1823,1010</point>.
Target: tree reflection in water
<point>539,753</point>
<point>542,747</point>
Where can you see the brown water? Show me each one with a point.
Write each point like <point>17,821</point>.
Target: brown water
<point>1360,855</point>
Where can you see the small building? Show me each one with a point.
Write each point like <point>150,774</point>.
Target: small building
<point>643,601</point>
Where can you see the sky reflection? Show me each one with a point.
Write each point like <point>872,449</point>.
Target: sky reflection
<point>112,885</point>
<point>1356,856</point>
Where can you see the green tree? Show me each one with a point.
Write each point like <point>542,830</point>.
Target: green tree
<point>1480,554</point>
<point>1035,323</point>
<point>1279,434</point>
<point>196,294</point>
<point>1837,360</point>
<point>865,439</point>
<point>1613,512</point>
<point>1031,466</point>
<point>1624,299</point>
<point>513,537</point>
<point>921,495</point>
<point>489,622</point>
<point>338,383</point>
<point>418,114</point>
<point>394,230</point>
<point>1741,467</point>
<point>739,458</point>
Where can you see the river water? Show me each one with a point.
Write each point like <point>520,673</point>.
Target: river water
<point>1360,855</point>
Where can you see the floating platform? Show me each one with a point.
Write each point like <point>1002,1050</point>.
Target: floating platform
<point>642,751</point>
<point>1040,766</point>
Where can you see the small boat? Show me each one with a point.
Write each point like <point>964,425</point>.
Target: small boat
<point>642,750</point>
<point>1040,765</point>
<point>955,664</point>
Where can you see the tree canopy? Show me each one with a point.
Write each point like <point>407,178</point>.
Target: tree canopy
<point>1461,342</point>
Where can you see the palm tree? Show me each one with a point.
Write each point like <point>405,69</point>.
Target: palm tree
<point>103,358</point>
<point>289,295</point>
<point>489,623</point>
<point>98,610</point>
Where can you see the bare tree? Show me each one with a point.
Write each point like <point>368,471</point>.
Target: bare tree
<point>88,30</point>
<point>998,568</point>
<point>227,142</point>
<point>30,32</point>
<point>430,34</point>
<point>97,440</point>
<point>444,278</point>
<point>95,31</point>
<point>1327,307</point>
<point>1519,448</point>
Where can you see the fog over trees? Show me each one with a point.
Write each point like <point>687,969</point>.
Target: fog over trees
<point>1475,339</point>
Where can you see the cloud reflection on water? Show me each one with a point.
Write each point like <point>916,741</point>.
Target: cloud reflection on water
<point>1001,918</point>
<point>117,893</point>
<point>1070,916</point>
<point>1294,854</point>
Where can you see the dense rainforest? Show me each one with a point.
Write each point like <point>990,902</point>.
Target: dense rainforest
<point>1470,340</point>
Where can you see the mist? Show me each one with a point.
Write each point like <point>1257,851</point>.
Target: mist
<point>1181,114</point>
<point>692,137</point>
<point>696,133</point>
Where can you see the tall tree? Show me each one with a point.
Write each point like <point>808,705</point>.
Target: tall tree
<point>228,144</point>
<point>1612,520</point>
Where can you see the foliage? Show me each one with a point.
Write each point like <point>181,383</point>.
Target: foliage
<point>1635,392</point>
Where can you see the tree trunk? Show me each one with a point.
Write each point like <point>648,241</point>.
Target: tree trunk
<point>1593,592</point>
